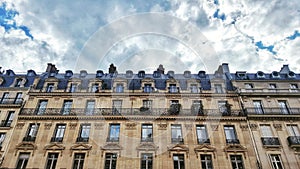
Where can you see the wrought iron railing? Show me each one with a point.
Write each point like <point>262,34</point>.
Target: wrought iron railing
<point>146,139</point>
<point>29,139</point>
<point>14,101</point>
<point>270,141</point>
<point>232,141</point>
<point>56,139</point>
<point>177,140</point>
<point>5,123</point>
<point>294,140</point>
<point>269,90</point>
<point>273,111</point>
<point>82,139</point>
<point>203,141</point>
<point>112,139</point>
<point>126,112</point>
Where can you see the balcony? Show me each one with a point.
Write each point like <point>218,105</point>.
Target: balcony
<point>11,102</point>
<point>173,89</point>
<point>232,141</point>
<point>5,123</point>
<point>29,139</point>
<point>56,139</point>
<point>147,139</point>
<point>270,141</point>
<point>294,141</point>
<point>272,111</point>
<point>82,139</point>
<point>177,140</point>
<point>129,112</point>
<point>269,91</point>
<point>204,141</point>
<point>112,139</point>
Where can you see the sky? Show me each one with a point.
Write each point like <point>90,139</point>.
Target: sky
<point>141,34</point>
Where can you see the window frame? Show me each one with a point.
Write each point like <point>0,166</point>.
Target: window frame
<point>145,128</point>
<point>90,107</point>
<point>239,163</point>
<point>59,133</point>
<point>67,107</point>
<point>176,129</point>
<point>112,159</point>
<point>78,161</point>
<point>230,134</point>
<point>202,130</point>
<point>41,107</point>
<point>205,161</point>
<point>273,160</point>
<point>52,159</point>
<point>23,158</point>
<point>180,162</point>
<point>114,132</point>
<point>146,161</point>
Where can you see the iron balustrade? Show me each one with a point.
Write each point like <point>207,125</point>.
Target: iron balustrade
<point>294,140</point>
<point>5,123</point>
<point>125,111</point>
<point>273,111</point>
<point>15,101</point>
<point>146,139</point>
<point>112,139</point>
<point>82,139</point>
<point>270,141</point>
<point>29,139</point>
<point>57,139</point>
<point>269,90</point>
<point>232,141</point>
<point>203,141</point>
<point>177,140</point>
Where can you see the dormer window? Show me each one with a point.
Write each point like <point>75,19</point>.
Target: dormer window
<point>50,87</point>
<point>173,88</point>
<point>156,74</point>
<point>95,88</point>
<point>119,88</point>
<point>218,88</point>
<point>260,75</point>
<point>272,86</point>
<point>73,87</point>
<point>148,88</point>
<point>194,88</point>
<point>294,88</point>
<point>18,83</point>
<point>248,85</point>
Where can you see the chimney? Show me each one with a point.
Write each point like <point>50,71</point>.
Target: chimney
<point>51,68</point>
<point>285,69</point>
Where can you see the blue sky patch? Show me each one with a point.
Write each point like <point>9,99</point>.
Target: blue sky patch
<point>270,48</point>
<point>294,36</point>
<point>8,22</point>
<point>216,2</point>
<point>219,16</point>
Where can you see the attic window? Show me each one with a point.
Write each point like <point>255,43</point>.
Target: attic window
<point>156,74</point>
<point>18,82</point>
<point>83,73</point>
<point>69,73</point>
<point>30,73</point>
<point>187,74</point>
<point>275,75</point>
<point>260,75</point>
<point>241,75</point>
<point>291,74</point>
<point>171,73</point>
<point>201,74</point>
<point>141,74</point>
<point>99,73</point>
<point>129,73</point>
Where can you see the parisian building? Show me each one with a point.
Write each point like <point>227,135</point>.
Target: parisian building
<point>159,120</point>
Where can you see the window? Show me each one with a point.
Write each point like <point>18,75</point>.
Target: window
<point>146,161</point>
<point>197,107</point>
<point>66,109</point>
<point>119,88</point>
<point>248,85</point>
<point>178,161</point>
<point>78,160</point>
<point>294,88</point>
<point>50,87</point>
<point>266,130</point>
<point>2,138</point>
<point>293,130</point>
<point>7,122</point>
<point>18,82</point>
<point>206,161</point>
<point>236,161</point>
<point>147,133</point>
<point>59,133</point>
<point>95,88</point>
<point>230,134</point>
<point>51,160</point>
<point>224,107</point>
<point>272,87</point>
<point>173,88</point>
<point>73,87</point>
<point>276,161</point>
<point>114,132</point>
<point>31,132</point>
<point>117,106</point>
<point>194,88</point>
<point>258,108</point>
<point>22,160</point>
<point>148,88</point>
<point>110,161</point>
<point>90,106</point>
<point>5,98</point>
<point>218,88</point>
<point>202,134</point>
<point>41,107</point>
<point>283,107</point>
<point>176,133</point>
<point>18,98</point>
<point>147,104</point>
<point>84,133</point>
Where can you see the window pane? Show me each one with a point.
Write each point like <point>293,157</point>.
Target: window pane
<point>51,160</point>
<point>22,161</point>
<point>110,161</point>
<point>266,131</point>
<point>146,161</point>
<point>178,161</point>
<point>293,130</point>
<point>206,161</point>
<point>78,160</point>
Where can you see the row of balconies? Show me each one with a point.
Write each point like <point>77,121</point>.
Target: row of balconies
<point>273,111</point>
<point>11,101</point>
<point>129,111</point>
<point>55,139</point>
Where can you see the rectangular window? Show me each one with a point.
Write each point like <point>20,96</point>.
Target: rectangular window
<point>248,85</point>
<point>73,88</point>
<point>117,106</point>
<point>173,88</point>
<point>18,82</point>
<point>197,107</point>
<point>293,130</point>
<point>294,87</point>
<point>31,132</point>
<point>266,130</point>
<point>9,119</point>
<point>231,137</point>
<point>2,138</point>
<point>276,161</point>
<point>84,133</point>
<point>67,106</point>
<point>206,161</point>
<point>147,104</point>
<point>114,133</point>
<point>59,133</point>
<point>5,99</point>
<point>218,88</point>
<point>283,107</point>
<point>22,160</point>
<point>119,88</point>
<point>18,98</point>
<point>223,107</point>
<point>146,161</point>
<point>147,133</point>
<point>51,160</point>
<point>148,88</point>
<point>236,162</point>
<point>202,134</point>
<point>272,87</point>
<point>95,88</point>
<point>78,160</point>
<point>90,107</point>
<point>50,87</point>
<point>178,161</point>
<point>258,108</point>
<point>41,107</point>
<point>176,133</point>
<point>194,88</point>
<point>110,161</point>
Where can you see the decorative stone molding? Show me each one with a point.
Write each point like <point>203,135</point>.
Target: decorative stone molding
<point>72,125</point>
<point>162,126</point>
<point>111,147</point>
<point>147,147</point>
<point>214,127</point>
<point>244,127</point>
<point>253,126</point>
<point>277,126</point>
<point>81,147</point>
<point>179,148</point>
<point>54,147</point>
<point>205,148</point>
<point>25,146</point>
<point>235,148</point>
<point>47,126</point>
<point>99,126</point>
<point>188,126</point>
<point>20,125</point>
<point>130,126</point>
